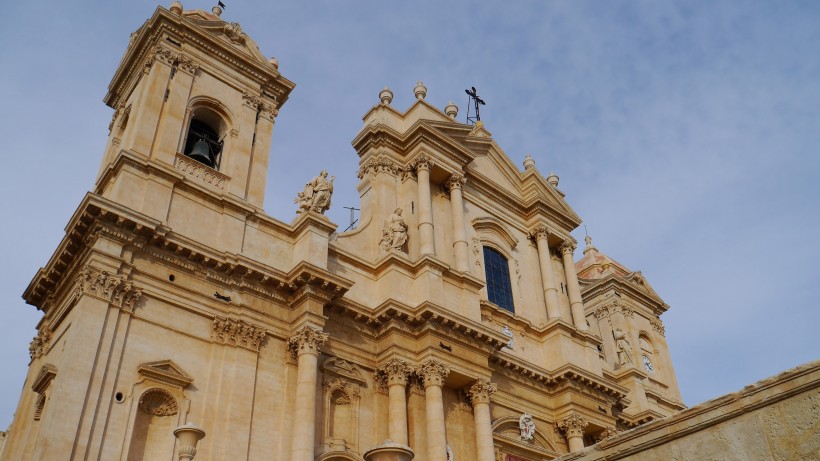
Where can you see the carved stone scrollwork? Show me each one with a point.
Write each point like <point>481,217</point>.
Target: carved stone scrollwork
<point>657,325</point>
<point>112,288</point>
<point>481,391</point>
<point>568,247</point>
<point>158,402</point>
<point>423,162</point>
<point>394,372</point>
<point>307,341</point>
<point>375,166</point>
<point>237,333</point>
<point>539,232</point>
<point>607,433</point>
<point>572,426</point>
<point>234,32</point>
<point>39,345</point>
<point>433,373</point>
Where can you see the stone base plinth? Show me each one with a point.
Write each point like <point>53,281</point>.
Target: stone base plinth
<point>389,451</point>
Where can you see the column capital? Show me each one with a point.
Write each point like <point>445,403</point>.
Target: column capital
<point>394,372</point>
<point>186,64</point>
<point>481,391</point>
<point>572,426</point>
<point>540,232</point>
<point>455,181</point>
<point>568,247</point>
<point>307,341</point>
<point>422,162</point>
<point>433,373</point>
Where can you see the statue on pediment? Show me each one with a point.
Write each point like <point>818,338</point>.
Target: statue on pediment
<point>316,195</point>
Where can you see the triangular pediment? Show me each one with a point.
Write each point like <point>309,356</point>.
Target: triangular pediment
<point>166,372</point>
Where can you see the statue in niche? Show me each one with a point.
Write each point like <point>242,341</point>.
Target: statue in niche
<point>394,233</point>
<point>316,196</point>
<point>527,427</point>
<point>623,347</point>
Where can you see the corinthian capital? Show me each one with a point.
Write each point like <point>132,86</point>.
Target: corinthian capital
<point>572,426</point>
<point>568,247</point>
<point>423,162</point>
<point>433,373</point>
<point>307,341</point>
<point>456,181</point>
<point>394,372</point>
<point>540,232</point>
<point>481,391</point>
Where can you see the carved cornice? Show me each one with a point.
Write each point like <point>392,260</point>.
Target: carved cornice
<point>481,391</point>
<point>308,340</point>
<point>115,289</point>
<point>237,333</point>
<point>433,373</point>
<point>201,171</point>
<point>394,372</point>
<point>572,426</point>
<point>378,165</point>
<point>39,344</point>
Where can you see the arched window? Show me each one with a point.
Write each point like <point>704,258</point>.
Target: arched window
<point>205,139</point>
<point>497,271</point>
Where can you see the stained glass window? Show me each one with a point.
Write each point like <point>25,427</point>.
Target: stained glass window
<point>497,270</point>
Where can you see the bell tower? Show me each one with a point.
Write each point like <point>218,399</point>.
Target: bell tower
<point>195,103</point>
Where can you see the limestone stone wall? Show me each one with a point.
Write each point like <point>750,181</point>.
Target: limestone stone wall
<point>777,419</point>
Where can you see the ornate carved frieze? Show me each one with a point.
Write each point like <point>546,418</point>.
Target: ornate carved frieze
<point>200,171</point>
<point>237,333</point>
<point>433,372</point>
<point>378,165</point>
<point>607,433</point>
<point>342,392</point>
<point>115,289</point>
<point>572,426</point>
<point>39,345</point>
<point>158,402</point>
<point>657,325</point>
<point>394,372</point>
<point>481,391</point>
<point>308,340</point>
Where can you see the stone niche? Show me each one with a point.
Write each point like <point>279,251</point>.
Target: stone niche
<point>341,396</point>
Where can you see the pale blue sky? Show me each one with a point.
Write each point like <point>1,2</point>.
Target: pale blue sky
<point>685,135</point>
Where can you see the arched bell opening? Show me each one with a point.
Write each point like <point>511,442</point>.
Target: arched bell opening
<point>206,137</point>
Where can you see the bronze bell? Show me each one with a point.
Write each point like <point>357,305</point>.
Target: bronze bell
<point>202,153</point>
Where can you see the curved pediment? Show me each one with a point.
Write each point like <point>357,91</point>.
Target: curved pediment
<point>507,428</point>
<point>492,225</point>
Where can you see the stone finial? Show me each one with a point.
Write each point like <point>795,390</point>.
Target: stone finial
<point>553,179</point>
<point>420,90</point>
<point>188,435</point>
<point>274,62</point>
<point>451,110</point>
<point>386,96</point>
<point>176,8</point>
<point>529,163</point>
<point>589,246</point>
<point>217,10</point>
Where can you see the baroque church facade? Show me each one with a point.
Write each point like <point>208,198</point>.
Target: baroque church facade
<point>180,321</point>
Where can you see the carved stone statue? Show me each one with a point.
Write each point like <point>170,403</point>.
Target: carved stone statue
<point>394,233</point>
<point>316,196</point>
<point>623,347</point>
<point>527,426</point>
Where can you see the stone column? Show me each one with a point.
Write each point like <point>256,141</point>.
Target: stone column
<point>148,104</point>
<point>305,345</point>
<point>426,237</point>
<point>396,372</point>
<point>480,394</point>
<point>573,429</point>
<point>540,235</point>
<point>258,171</point>
<point>172,126</point>
<point>434,373</point>
<point>575,302</point>
<point>459,235</point>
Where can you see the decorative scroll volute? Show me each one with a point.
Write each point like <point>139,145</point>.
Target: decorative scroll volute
<point>433,373</point>
<point>481,391</point>
<point>307,341</point>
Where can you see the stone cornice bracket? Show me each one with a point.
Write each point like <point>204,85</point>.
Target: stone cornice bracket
<point>572,426</point>
<point>433,373</point>
<point>481,391</point>
<point>308,340</point>
<point>237,333</point>
<point>39,344</point>
<point>422,162</point>
<point>115,289</point>
<point>568,246</point>
<point>394,372</point>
